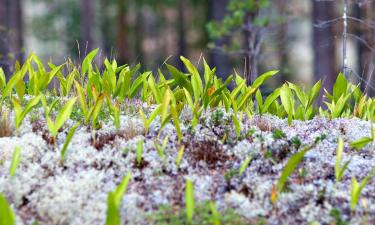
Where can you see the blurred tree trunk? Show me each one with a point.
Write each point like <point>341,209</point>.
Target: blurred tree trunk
<point>123,49</point>
<point>105,27</point>
<point>4,50</point>
<point>216,12</point>
<point>366,56</point>
<point>86,26</point>
<point>181,32</point>
<point>252,44</point>
<point>324,43</point>
<point>11,39</point>
<point>139,35</point>
<point>371,75</point>
<point>283,42</point>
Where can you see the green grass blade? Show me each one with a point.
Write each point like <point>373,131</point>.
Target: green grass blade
<point>15,161</point>
<point>215,217</point>
<point>360,143</point>
<point>114,200</point>
<point>339,151</point>
<point>179,156</point>
<point>244,165</point>
<point>67,141</point>
<point>139,152</point>
<point>290,166</point>
<point>189,201</point>
<point>64,113</point>
<point>7,216</point>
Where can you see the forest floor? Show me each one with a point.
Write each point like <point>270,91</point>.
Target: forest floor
<point>49,191</point>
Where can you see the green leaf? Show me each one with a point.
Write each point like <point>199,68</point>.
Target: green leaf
<point>179,156</point>
<point>121,189</point>
<point>287,100</point>
<point>16,78</point>
<point>15,161</point>
<point>64,113</point>
<point>3,81</point>
<point>137,84</point>
<point>67,141</point>
<point>180,78</point>
<point>237,125</point>
<point>156,93</point>
<point>195,79</point>
<point>82,101</point>
<point>7,216</point>
<point>259,99</point>
<point>302,97</point>
<point>340,87</point>
<point>139,152</point>
<point>114,201</point>
<point>270,99</point>
<point>87,62</point>
<point>21,114</point>
<point>215,216</point>
<point>94,111</point>
<point>189,201</point>
<point>360,143</point>
<point>246,97</point>
<point>262,78</point>
<point>357,189</point>
<point>165,104</point>
<point>339,171</point>
<point>314,93</point>
<point>244,165</point>
<point>290,166</point>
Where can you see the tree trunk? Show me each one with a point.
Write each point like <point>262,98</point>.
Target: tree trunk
<point>370,81</point>
<point>283,42</point>
<point>105,29</point>
<point>252,44</point>
<point>11,41</point>
<point>216,12</point>
<point>86,26</point>
<point>324,43</point>
<point>4,49</point>
<point>139,36</point>
<point>122,33</point>
<point>181,33</point>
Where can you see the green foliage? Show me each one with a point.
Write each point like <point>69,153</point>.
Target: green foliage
<point>337,216</point>
<point>189,201</point>
<point>205,213</point>
<point>362,142</point>
<point>7,216</point>
<point>69,137</point>
<point>62,116</point>
<point>179,156</point>
<point>15,161</point>
<point>357,188</point>
<point>20,113</point>
<point>244,165</point>
<point>290,166</point>
<point>139,152</point>
<point>287,100</point>
<point>160,148</point>
<point>236,17</point>
<point>339,170</point>
<point>114,200</point>
<point>278,134</point>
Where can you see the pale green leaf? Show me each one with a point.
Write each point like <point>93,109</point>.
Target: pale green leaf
<point>69,137</point>
<point>189,201</point>
<point>7,216</point>
<point>15,161</point>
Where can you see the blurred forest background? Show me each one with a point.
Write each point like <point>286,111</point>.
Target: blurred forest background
<point>301,38</point>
